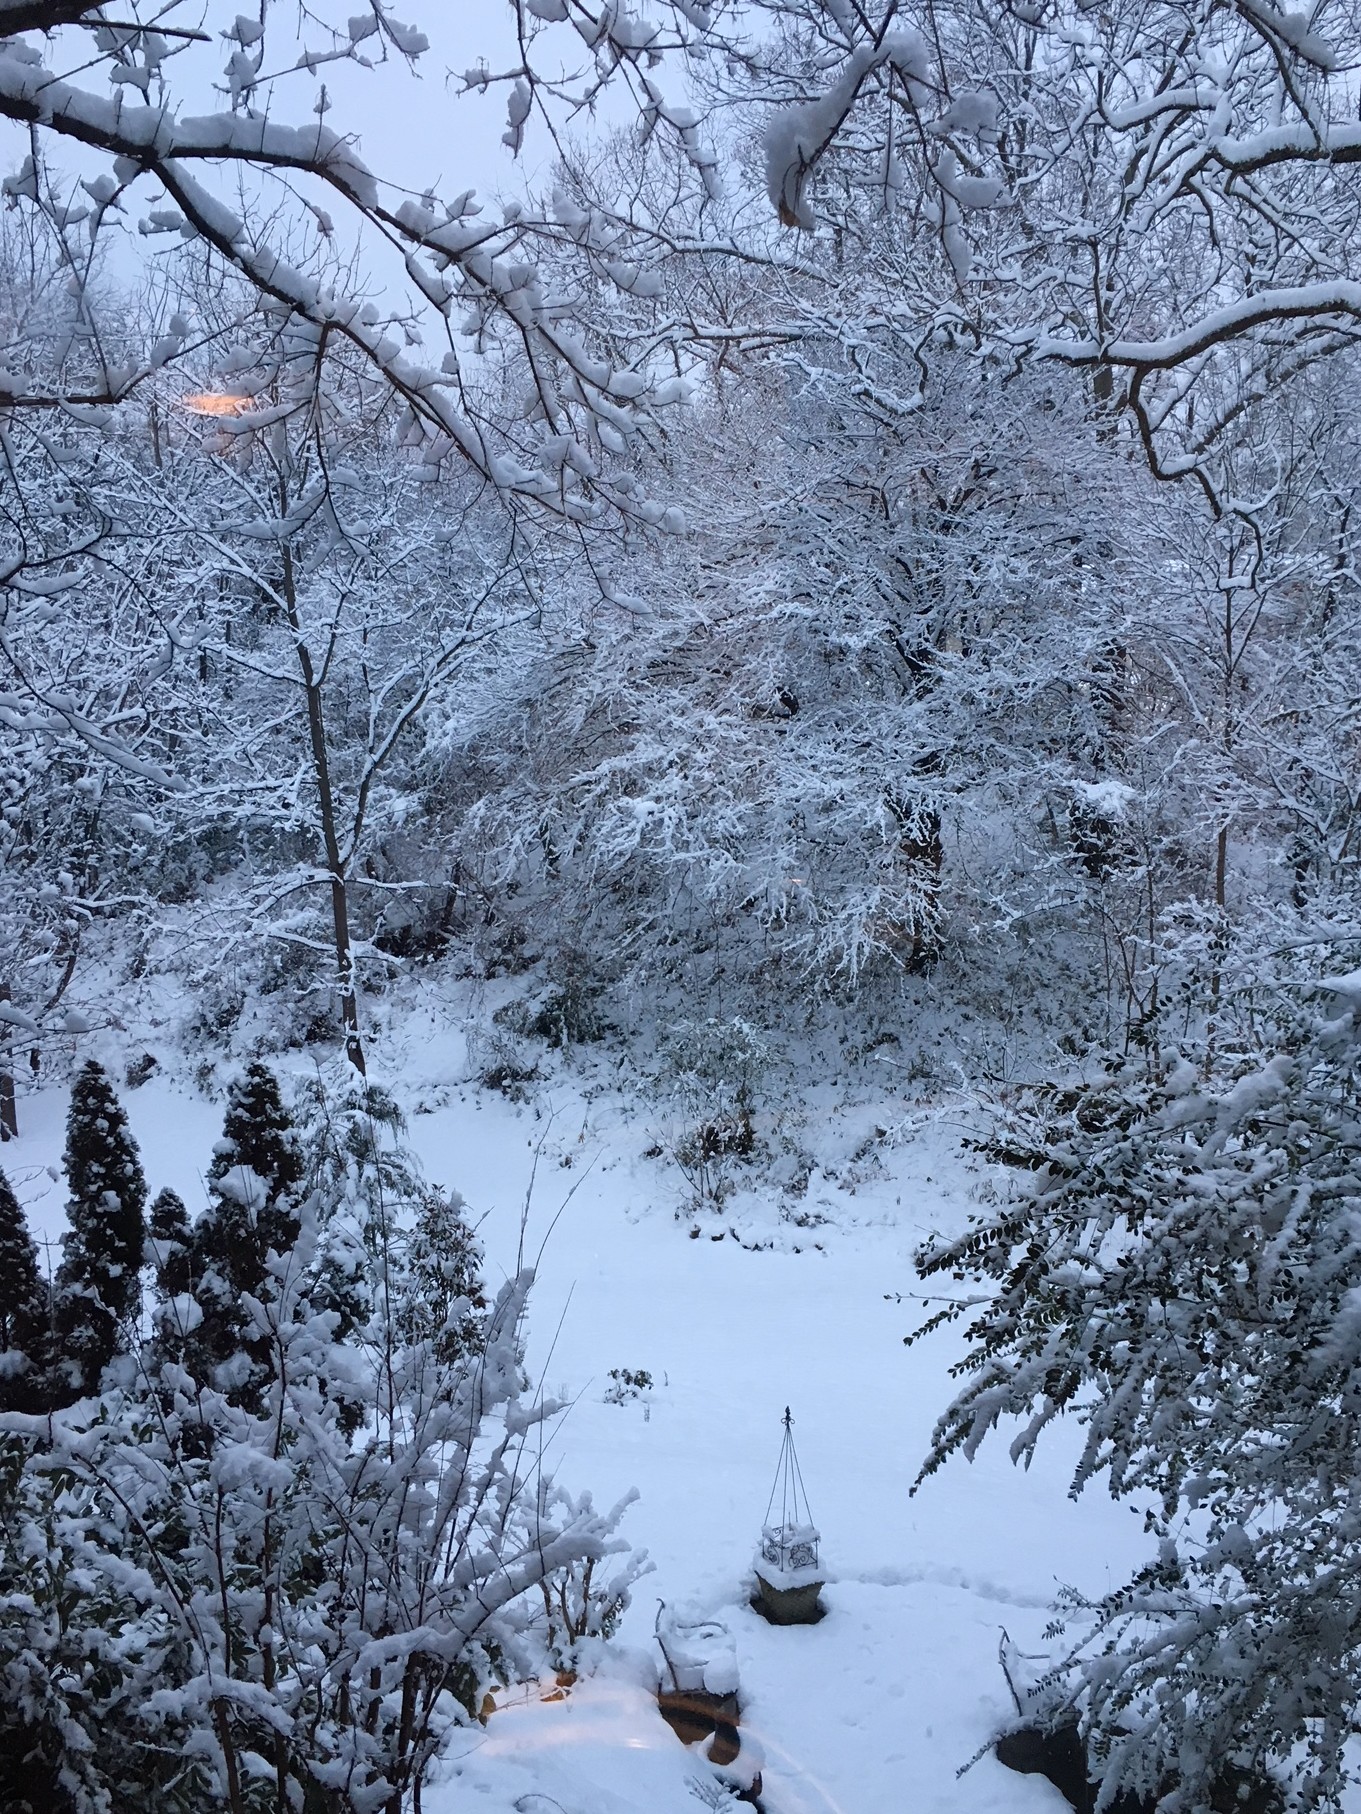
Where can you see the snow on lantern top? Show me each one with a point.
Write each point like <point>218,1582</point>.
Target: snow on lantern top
<point>788,1555</point>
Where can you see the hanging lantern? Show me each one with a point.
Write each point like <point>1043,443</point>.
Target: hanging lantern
<point>788,1568</point>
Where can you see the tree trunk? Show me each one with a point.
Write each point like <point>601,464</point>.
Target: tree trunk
<point>321,775</point>
<point>9,1108</point>
<point>230,1763</point>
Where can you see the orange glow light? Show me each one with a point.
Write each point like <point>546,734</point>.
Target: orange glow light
<point>214,403</point>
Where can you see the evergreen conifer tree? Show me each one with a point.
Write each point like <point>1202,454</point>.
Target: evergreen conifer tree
<point>256,1168</point>
<point>171,1242</point>
<point>443,1278</point>
<point>366,1187</point>
<point>99,1281</point>
<point>25,1308</point>
<point>252,1182</point>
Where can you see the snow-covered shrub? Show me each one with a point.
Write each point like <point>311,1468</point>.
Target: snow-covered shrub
<point>25,1309</point>
<point>711,1072</point>
<point>86,1640</point>
<point>569,1014</point>
<point>502,1059</point>
<point>627,1383</point>
<point>282,1606</point>
<point>1181,1273</point>
<point>384,1218</point>
<point>442,1276</point>
<point>98,1284</point>
<point>353,1151</point>
<point>584,1600</point>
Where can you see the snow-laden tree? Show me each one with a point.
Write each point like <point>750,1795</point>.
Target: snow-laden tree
<point>255,1168</point>
<point>1107,190</point>
<point>114,114</point>
<point>1104,189</point>
<point>1179,1273</point>
<point>269,214</point>
<point>1229,736</point>
<point>81,754</point>
<point>876,673</point>
<point>284,1605</point>
<point>317,579</point>
<point>442,1263</point>
<point>98,1287</point>
<point>252,1212</point>
<point>170,1242</point>
<point>25,1309</point>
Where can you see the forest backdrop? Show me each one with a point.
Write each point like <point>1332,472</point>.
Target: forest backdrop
<point>871,529</point>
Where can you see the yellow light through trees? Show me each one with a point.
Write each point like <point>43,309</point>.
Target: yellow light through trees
<point>213,403</point>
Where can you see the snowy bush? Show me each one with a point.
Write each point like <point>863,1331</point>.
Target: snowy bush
<point>502,1059</point>
<point>280,1579</point>
<point>570,1014</point>
<point>710,1072</point>
<point>584,1600</point>
<point>627,1383</point>
<point>1182,1276</point>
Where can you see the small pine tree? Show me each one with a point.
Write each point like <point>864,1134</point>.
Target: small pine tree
<point>443,1293</point>
<point>252,1182</point>
<point>99,1283</point>
<point>171,1241</point>
<point>256,1163</point>
<point>170,1244</point>
<point>365,1182</point>
<point>25,1310</point>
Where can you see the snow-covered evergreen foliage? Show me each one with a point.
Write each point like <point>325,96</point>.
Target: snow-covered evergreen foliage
<point>288,1602</point>
<point>1181,1274</point>
<point>252,1212</point>
<point>98,1286</point>
<point>25,1309</point>
<point>170,1244</point>
<point>255,1169</point>
<point>442,1267</point>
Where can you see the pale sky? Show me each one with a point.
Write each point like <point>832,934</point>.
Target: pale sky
<point>419,127</point>
<point>414,127</point>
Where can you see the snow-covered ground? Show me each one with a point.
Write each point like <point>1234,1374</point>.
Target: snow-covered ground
<point>875,1708</point>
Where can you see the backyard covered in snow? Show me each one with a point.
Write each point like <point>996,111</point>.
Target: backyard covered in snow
<point>899,1686</point>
